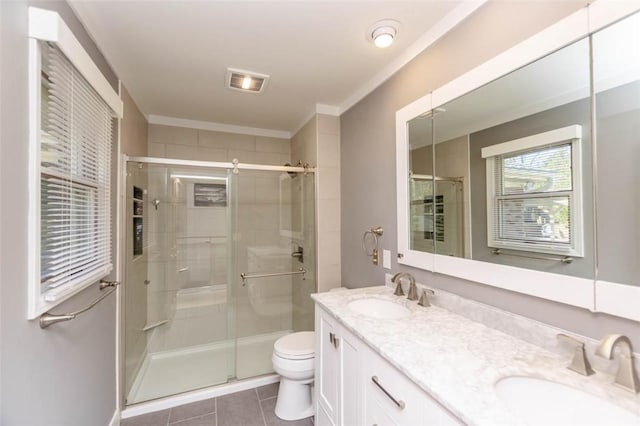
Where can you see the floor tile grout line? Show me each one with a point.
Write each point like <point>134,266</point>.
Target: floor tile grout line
<point>264,419</point>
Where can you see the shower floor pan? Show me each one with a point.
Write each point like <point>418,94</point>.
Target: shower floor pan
<point>172,372</point>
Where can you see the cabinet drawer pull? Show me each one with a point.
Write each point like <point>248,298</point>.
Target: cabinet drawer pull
<point>332,338</point>
<point>400,404</point>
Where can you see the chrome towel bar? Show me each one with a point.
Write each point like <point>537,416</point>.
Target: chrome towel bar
<point>246,277</point>
<point>48,319</point>
<point>563,259</point>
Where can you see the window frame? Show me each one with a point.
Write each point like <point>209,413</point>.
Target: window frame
<point>566,135</point>
<point>47,26</point>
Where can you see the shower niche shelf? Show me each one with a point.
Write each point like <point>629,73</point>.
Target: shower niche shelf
<point>138,221</point>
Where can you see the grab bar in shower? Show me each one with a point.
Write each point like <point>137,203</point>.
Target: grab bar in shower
<point>300,271</point>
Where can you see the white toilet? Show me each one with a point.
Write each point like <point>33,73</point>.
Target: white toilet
<point>293,358</point>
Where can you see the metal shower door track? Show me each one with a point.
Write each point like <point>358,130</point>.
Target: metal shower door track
<point>222,165</point>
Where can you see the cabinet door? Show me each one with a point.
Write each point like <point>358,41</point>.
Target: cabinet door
<point>351,404</point>
<point>322,418</point>
<point>327,366</point>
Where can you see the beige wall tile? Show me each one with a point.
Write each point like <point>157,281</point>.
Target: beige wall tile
<point>328,248</point>
<point>329,215</point>
<point>134,128</point>
<point>157,150</point>
<point>328,150</point>
<point>172,135</point>
<point>329,277</point>
<point>304,143</point>
<point>328,124</point>
<point>211,154</point>
<point>255,157</point>
<point>265,144</point>
<point>328,183</point>
<point>225,140</point>
<point>182,152</point>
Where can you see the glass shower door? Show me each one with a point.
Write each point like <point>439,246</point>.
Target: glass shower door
<point>179,331</point>
<point>274,234</point>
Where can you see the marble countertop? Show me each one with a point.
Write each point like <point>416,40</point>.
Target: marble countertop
<point>457,361</point>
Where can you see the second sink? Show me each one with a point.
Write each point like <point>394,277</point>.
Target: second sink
<point>379,308</point>
<point>541,402</point>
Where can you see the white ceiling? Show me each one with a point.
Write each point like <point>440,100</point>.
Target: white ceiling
<point>172,55</point>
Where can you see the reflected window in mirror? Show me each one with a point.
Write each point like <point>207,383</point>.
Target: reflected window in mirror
<point>548,94</point>
<point>534,197</point>
<point>616,75</point>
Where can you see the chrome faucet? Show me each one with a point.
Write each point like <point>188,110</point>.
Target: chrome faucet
<point>413,290</point>
<point>579,363</point>
<point>626,376</point>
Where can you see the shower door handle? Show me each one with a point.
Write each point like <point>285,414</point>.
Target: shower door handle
<point>299,254</point>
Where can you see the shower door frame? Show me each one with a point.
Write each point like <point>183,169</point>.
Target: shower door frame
<point>235,166</point>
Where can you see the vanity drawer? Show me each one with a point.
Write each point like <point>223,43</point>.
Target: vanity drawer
<point>389,392</point>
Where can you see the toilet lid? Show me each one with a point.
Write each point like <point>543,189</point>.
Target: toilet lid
<point>296,345</point>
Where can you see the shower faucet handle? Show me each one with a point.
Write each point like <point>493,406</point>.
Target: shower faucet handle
<point>299,254</point>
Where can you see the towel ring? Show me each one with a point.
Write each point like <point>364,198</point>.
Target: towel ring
<point>375,233</point>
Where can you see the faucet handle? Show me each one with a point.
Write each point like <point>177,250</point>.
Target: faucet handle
<point>398,291</point>
<point>579,363</point>
<point>424,301</point>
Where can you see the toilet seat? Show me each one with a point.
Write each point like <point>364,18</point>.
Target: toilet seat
<point>300,345</point>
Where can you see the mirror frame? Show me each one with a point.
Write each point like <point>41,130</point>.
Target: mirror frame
<point>591,294</point>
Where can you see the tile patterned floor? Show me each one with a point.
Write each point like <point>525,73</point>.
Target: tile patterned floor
<point>253,407</point>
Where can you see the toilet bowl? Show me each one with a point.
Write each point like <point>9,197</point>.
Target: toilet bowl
<point>293,359</point>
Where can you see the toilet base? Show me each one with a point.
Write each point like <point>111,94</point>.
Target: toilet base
<point>294,400</point>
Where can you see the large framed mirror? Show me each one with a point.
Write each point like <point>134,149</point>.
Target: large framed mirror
<point>496,169</point>
<point>616,80</point>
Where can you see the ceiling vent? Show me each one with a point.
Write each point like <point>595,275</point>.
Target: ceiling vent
<point>246,81</point>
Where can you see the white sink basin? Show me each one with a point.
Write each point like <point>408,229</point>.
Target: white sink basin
<point>541,402</point>
<point>379,308</point>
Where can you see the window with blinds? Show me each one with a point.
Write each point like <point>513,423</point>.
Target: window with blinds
<point>534,201</point>
<point>76,129</point>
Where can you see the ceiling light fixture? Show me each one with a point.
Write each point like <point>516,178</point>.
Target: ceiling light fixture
<point>246,81</point>
<point>383,32</point>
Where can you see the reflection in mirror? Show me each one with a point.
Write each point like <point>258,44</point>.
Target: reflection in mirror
<point>616,74</point>
<point>422,222</point>
<point>530,129</point>
<point>452,194</point>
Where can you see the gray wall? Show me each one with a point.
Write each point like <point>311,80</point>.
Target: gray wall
<point>368,159</point>
<point>64,375</point>
<point>618,127</point>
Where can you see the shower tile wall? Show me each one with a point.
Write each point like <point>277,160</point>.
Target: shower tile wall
<point>205,145</point>
<point>318,142</point>
<point>260,245</point>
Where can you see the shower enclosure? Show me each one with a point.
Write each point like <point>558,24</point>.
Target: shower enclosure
<point>192,229</point>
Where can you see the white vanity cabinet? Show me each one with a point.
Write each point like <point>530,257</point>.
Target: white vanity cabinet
<point>356,386</point>
<point>337,376</point>
<point>392,399</point>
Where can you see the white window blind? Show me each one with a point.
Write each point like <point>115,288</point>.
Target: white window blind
<point>534,199</point>
<point>75,165</point>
